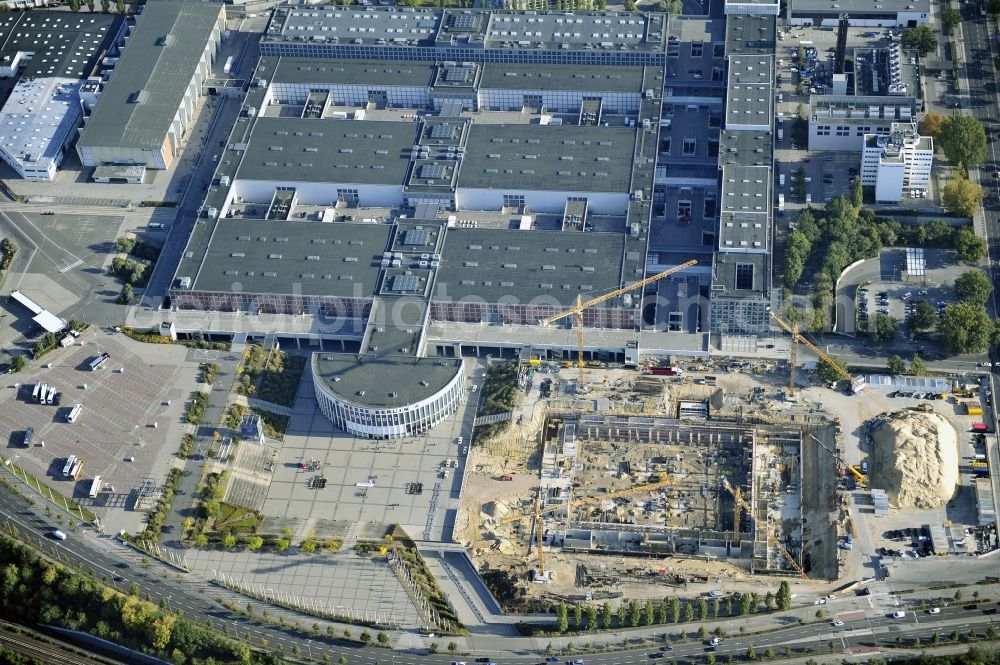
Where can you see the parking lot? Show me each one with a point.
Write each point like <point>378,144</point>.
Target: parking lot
<point>961,510</point>
<point>386,482</point>
<point>129,426</point>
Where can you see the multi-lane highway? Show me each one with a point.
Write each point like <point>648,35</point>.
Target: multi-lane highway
<point>106,559</point>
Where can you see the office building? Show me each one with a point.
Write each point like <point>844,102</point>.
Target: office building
<point>145,110</point>
<point>897,163</point>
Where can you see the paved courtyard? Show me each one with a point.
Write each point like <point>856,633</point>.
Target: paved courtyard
<point>394,468</point>
<point>342,583</point>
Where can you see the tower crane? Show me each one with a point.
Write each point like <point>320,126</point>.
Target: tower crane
<point>576,310</point>
<point>798,337</point>
<point>742,502</point>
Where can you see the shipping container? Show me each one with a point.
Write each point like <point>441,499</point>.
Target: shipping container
<point>974,410</point>
<point>980,427</point>
<point>76,470</point>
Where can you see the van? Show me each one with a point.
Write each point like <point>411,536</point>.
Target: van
<point>781,134</point>
<point>156,226</point>
<point>808,179</point>
<point>781,180</point>
<point>809,198</point>
<point>58,535</point>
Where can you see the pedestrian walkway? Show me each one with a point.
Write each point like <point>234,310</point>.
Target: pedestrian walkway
<point>183,506</point>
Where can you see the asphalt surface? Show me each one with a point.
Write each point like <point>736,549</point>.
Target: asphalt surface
<point>106,559</point>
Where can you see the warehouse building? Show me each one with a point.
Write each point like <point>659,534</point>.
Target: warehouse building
<point>882,14</point>
<point>49,53</point>
<point>145,110</point>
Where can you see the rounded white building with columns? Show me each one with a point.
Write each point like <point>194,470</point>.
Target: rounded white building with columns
<point>386,397</point>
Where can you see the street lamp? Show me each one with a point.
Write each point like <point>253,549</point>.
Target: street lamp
<point>309,646</point>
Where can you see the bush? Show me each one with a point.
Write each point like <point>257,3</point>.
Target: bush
<point>196,408</point>
<point>146,337</point>
<point>154,523</point>
<point>9,250</point>
<point>187,445</point>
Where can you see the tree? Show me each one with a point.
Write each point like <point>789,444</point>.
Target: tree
<point>125,244</point>
<point>970,247</point>
<point>744,604</point>
<point>917,366</point>
<point>784,597</point>
<point>820,614</point>
<point>751,652</point>
<point>950,19</point>
<point>106,6</point>
<point>974,287</point>
<point>769,600</point>
<point>962,139</point>
<point>229,541</point>
<point>126,295</point>
<point>630,5</point>
<point>634,613</point>
<point>895,365</point>
<point>17,363</point>
<point>702,608</point>
<point>710,659</point>
<point>308,546</point>
<point>962,197</point>
<point>650,616</point>
<point>715,607</point>
<point>924,317</point>
<point>255,543</point>
<point>931,124</point>
<point>592,617</point>
<point>452,646</point>
<point>669,6</point>
<point>90,5</point>
<point>120,6</point>
<point>884,328</point>
<point>562,621</point>
<point>577,616</point>
<point>606,615</point>
<point>675,610</point>
<point>688,611</point>
<point>622,609</point>
<point>921,38</point>
<point>74,5</point>
<point>965,327</point>
<point>702,632</point>
<point>829,370</point>
<point>381,638</point>
<point>857,192</point>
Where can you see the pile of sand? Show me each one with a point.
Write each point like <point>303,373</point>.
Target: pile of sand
<point>915,459</point>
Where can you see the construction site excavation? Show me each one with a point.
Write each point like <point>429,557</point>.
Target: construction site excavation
<point>644,483</point>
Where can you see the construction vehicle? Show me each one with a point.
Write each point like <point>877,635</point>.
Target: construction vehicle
<point>576,311</point>
<point>858,476</point>
<point>771,538</point>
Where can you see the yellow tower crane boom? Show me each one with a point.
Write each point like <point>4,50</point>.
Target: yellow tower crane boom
<point>738,498</point>
<point>576,310</point>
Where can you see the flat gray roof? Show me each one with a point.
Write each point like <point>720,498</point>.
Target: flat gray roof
<point>492,264</point>
<point>735,271</point>
<point>64,44</point>
<point>139,103</point>
<point>745,148</point>
<point>542,157</point>
<point>749,103</point>
<point>328,150</point>
<point>311,258</point>
<point>604,29</point>
<point>746,231</point>
<point>362,72</point>
<point>389,381</point>
<point>562,77</point>
<point>369,25</point>
<point>751,34</point>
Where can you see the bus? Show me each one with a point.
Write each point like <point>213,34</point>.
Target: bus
<point>98,362</point>
<point>74,413</point>
<point>95,487</point>
<point>51,397</point>
<point>42,393</point>
<point>68,467</point>
<point>77,469</point>
<point>34,393</point>
<point>26,441</point>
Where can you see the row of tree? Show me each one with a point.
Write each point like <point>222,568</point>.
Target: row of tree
<point>34,590</point>
<point>634,613</point>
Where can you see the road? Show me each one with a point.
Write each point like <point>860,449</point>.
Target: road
<point>105,558</point>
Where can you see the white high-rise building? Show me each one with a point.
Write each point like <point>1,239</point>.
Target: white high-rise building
<point>897,162</point>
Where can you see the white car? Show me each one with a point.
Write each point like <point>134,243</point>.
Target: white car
<point>838,623</point>
<point>899,614</point>
<point>934,610</point>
